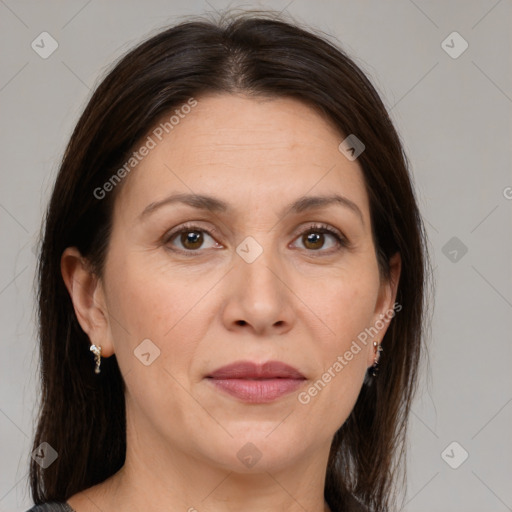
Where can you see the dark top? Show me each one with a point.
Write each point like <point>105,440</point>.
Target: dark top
<point>52,506</point>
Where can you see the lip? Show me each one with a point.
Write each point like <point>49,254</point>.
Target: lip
<point>257,383</point>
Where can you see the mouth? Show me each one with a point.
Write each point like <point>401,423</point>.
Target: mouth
<point>257,383</point>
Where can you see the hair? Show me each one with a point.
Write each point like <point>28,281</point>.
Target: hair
<point>82,414</point>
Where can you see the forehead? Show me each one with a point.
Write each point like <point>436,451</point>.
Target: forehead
<point>251,152</point>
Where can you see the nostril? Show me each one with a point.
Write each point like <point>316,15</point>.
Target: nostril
<point>241,322</point>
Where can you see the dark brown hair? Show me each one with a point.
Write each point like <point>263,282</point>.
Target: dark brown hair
<point>82,414</point>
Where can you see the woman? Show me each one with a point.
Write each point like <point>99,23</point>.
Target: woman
<point>231,251</point>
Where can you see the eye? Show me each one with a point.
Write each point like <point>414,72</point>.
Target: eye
<point>314,238</point>
<point>190,238</point>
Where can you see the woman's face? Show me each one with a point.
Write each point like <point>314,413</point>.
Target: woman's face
<point>245,268</point>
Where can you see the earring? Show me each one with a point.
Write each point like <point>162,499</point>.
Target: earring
<point>97,356</point>
<point>375,367</point>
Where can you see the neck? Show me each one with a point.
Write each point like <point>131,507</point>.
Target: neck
<point>158,477</point>
<point>194,487</point>
<point>162,475</point>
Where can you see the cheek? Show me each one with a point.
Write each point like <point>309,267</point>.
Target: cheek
<point>140,302</point>
<point>346,306</point>
<point>152,337</point>
<point>140,292</point>
<point>151,300</point>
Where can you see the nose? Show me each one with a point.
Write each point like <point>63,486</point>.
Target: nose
<point>258,297</point>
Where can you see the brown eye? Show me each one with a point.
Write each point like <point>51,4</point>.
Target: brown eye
<point>313,240</point>
<point>322,239</point>
<point>191,239</point>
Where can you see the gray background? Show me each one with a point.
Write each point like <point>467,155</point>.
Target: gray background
<point>454,116</point>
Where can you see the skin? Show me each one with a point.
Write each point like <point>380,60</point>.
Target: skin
<point>299,302</point>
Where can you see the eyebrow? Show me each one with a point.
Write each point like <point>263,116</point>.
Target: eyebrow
<point>212,204</point>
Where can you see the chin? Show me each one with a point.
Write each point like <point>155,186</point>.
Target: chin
<point>256,448</point>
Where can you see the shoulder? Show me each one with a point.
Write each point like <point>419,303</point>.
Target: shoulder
<point>51,506</point>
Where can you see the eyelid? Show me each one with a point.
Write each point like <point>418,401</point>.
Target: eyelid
<point>320,226</point>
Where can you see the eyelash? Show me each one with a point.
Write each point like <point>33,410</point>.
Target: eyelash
<point>341,241</point>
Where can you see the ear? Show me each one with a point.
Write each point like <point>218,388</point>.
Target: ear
<point>385,306</point>
<point>87,294</point>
